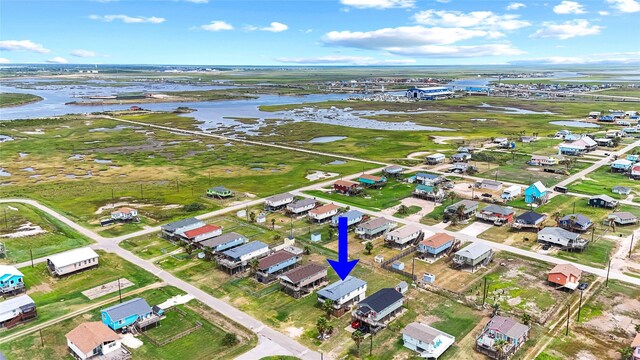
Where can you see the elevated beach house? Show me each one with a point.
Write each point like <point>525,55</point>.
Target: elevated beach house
<point>17,310</point>
<point>135,313</point>
<point>222,242</point>
<point>378,309</point>
<point>277,202</point>
<point>202,233</point>
<point>11,280</point>
<point>536,193</point>
<point>512,332</point>
<point>374,228</point>
<point>343,294</point>
<point>353,217</point>
<point>473,256</point>
<point>238,258</point>
<point>220,192</point>
<point>300,207</point>
<point>436,245</point>
<point>278,262</point>
<point>558,236</point>
<point>565,276</point>
<point>428,342</point>
<point>324,212</point>
<point>304,279</point>
<point>174,230</point>
<point>404,236</point>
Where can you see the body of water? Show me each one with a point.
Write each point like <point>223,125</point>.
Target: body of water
<point>326,139</point>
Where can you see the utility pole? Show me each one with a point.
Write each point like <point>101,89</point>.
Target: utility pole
<point>177,185</point>
<point>209,178</point>
<point>413,265</point>
<point>630,247</point>
<point>141,193</point>
<point>6,220</point>
<point>119,291</point>
<point>568,312</point>
<point>113,199</point>
<point>41,338</point>
<point>593,232</point>
<point>484,291</point>
<point>580,307</point>
<point>606,284</point>
<point>31,254</point>
<point>371,346</point>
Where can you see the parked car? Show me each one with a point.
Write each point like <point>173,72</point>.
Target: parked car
<point>487,195</point>
<point>356,324</point>
<point>561,189</point>
<point>583,286</point>
<point>546,247</point>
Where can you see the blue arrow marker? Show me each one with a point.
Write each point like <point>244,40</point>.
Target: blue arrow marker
<point>343,266</point>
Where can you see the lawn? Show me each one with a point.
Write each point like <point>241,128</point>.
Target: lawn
<point>84,168</point>
<point>56,297</point>
<point>57,237</point>
<point>371,199</point>
<point>602,181</point>
<point>17,99</point>
<point>204,343</point>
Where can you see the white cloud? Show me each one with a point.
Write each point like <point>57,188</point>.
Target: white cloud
<point>379,4</point>
<point>457,51</point>
<point>128,19</point>
<point>346,60</point>
<point>22,45</point>
<point>57,60</point>
<point>83,53</point>
<point>627,6</point>
<point>569,7</point>
<point>602,58</point>
<point>273,27</point>
<point>4,61</point>
<point>566,30</point>
<point>515,6</point>
<point>603,13</point>
<point>477,19</point>
<point>217,25</point>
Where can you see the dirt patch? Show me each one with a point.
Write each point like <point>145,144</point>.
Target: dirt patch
<point>25,230</point>
<point>294,332</point>
<point>117,205</point>
<point>107,288</point>
<point>43,288</point>
<point>443,139</point>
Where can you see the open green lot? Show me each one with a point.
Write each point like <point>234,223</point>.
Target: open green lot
<point>56,297</point>
<point>602,182</point>
<point>17,99</point>
<point>56,237</point>
<point>83,167</point>
<point>204,343</point>
<point>372,199</point>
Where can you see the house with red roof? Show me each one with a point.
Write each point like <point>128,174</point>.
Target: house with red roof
<point>346,187</point>
<point>202,233</point>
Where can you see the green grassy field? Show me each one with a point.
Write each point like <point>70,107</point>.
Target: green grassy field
<point>602,181</point>
<point>158,172</point>
<point>17,99</point>
<point>58,236</point>
<point>204,343</point>
<point>56,297</point>
<point>372,199</point>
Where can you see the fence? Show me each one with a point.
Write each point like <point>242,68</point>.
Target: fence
<point>388,264</point>
<point>175,337</point>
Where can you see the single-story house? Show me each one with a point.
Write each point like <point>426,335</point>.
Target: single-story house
<point>124,214</point>
<point>429,192</point>
<point>536,193</point>
<point>353,218</point>
<point>378,309</point>
<point>561,134</point>
<point>489,185</point>
<point>542,160</point>
<point>565,275</point>
<point>500,140</point>
<point>303,279</point>
<point>343,294</point>
<point>219,192</point>
<point>324,212</point>
<point>301,206</point>
<point>403,236</point>
<point>499,327</point>
<point>223,242</point>
<point>496,214</point>
<point>578,147</point>
<point>135,312</point>
<point>461,157</point>
<point>529,219</point>
<point>559,236</point>
<point>434,159</point>
<point>603,201</point>
<point>11,280</point>
<point>621,165</point>
<point>393,171</point>
<point>621,190</point>
<point>277,202</point>
<point>614,134</point>
<point>374,228</point>
<point>575,222</point>
<point>173,230</point>
<point>459,168</point>
<point>428,179</point>
<point>473,255</point>
<point>202,233</point>
<point>237,259</point>
<point>374,181</point>
<point>428,342</point>
<point>436,244</point>
<point>429,93</point>
<point>469,209</point>
<point>71,261</point>
<point>16,311</point>
<point>276,263</point>
<point>346,187</point>
<point>623,218</point>
<point>528,139</point>
<point>94,339</point>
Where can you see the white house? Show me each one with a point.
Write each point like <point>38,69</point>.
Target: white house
<point>511,192</point>
<point>124,214</point>
<point>435,159</point>
<point>489,185</point>
<point>428,342</point>
<point>562,237</point>
<point>71,261</point>
<point>277,202</point>
<point>403,236</point>
<point>324,212</point>
<point>93,339</point>
<point>344,293</point>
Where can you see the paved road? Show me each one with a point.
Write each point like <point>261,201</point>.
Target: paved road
<point>270,338</point>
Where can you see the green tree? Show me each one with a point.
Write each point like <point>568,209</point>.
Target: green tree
<point>638,328</point>
<point>500,345</point>
<point>327,307</point>
<point>277,237</point>
<point>330,233</point>
<point>357,337</point>
<point>526,319</point>
<point>626,352</point>
<point>403,209</point>
<point>307,250</point>
<point>253,265</point>
<point>369,247</point>
<point>321,325</point>
<point>273,224</point>
<point>495,309</point>
<point>189,249</point>
<point>252,216</point>
<point>229,339</point>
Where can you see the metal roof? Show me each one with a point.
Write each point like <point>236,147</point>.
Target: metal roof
<point>381,299</point>
<point>222,239</point>
<point>201,231</point>
<point>474,251</point>
<point>468,204</point>
<point>9,270</point>
<point>427,176</point>
<point>341,288</point>
<point>245,249</point>
<point>180,224</point>
<point>72,256</point>
<point>301,203</point>
<point>8,306</point>
<point>375,223</point>
<point>623,215</point>
<point>351,214</point>
<point>559,232</point>
<point>404,231</point>
<point>275,259</point>
<point>279,197</point>
<point>422,332</point>
<point>579,219</point>
<point>497,209</point>
<point>530,217</point>
<point>540,186</point>
<point>137,306</point>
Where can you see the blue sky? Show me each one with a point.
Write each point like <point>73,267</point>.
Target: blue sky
<point>330,32</point>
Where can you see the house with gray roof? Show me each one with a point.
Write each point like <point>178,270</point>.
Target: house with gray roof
<point>496,214</point>
<point>374,228</point>
<point>603,201</point>
<point>343,294</point>
<point>378,309</point>
<point>575,222</point>
<point>558,236</point>
<point>404,236</point>
<point>512,332</point>
<point>173,230</point>
<point>277,202</point>
<point>469,209</point>
<point>238,258</point>
<point>621,190</point>
<point>135,312</point>
<point>474,255</point>
<point>299,207</point>
<point>427,341</point>
<point>623,218</point>
<point>17,310</point>
<point>353,218</point>
<point>223,242</point>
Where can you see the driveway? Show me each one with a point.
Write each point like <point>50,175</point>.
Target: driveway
<point>476,228</point>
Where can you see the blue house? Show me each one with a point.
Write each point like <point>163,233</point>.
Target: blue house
<point>223,242</point>
<point>436,244</point>
<point>575,222</point>
<point>621,165</point>
<point>428,179</point>
<point>276,263</point>
<point>11,279</point>
<point>633,158</point>
<point>353,217</point>
<point>128,313</point>
<point>536,193</point>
